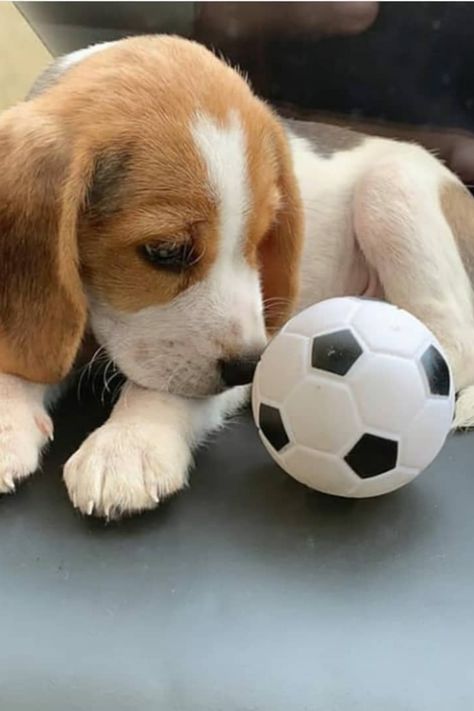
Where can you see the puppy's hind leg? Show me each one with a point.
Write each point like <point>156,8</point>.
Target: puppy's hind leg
<point>464,418</point>
<point>403,232</point>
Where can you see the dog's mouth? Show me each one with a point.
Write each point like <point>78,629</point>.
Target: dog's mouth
<point>188,378</point>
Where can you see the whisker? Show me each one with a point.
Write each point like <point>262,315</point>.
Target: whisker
<point>115,392</point>
<point>119,389</point>
<point>276,307</point>
<point>107,380</point>
<point>276,298</point>
<point>85,371</point>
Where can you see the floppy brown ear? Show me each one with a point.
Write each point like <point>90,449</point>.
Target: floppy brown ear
<point>280,251</point>
<point>42,303</point>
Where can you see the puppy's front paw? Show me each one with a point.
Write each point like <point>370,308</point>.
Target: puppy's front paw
<point>23,433</point>
<point>126,468</point>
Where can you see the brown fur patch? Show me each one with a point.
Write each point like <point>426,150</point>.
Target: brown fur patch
<point>276,227</point>
<point>42,307</point>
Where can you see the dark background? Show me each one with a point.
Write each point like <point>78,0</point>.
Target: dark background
<point>412,65</point>
<point>397,69</point>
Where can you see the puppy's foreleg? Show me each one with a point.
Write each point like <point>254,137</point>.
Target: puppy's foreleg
<point>143,453</point>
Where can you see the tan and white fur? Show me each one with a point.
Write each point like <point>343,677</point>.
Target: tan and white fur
<point>280,228</point>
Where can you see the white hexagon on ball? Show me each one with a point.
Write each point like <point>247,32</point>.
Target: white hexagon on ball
<point>358,401</point>
<point>387,329</point>
<point>337,313</point>
<point>423,438</point>
<point>389,391</point>
<point>286,357</point>
<point>323,415</point>
<point>334,475</point>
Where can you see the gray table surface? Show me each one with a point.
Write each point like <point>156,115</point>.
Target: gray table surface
<point>246,593</point>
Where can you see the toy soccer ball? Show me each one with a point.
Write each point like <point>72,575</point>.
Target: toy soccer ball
<point>354,397</point>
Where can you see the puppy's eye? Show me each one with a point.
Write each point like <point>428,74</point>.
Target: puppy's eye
<point>168,256</point>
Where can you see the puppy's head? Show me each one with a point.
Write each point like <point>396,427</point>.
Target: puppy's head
<point>149,190</point>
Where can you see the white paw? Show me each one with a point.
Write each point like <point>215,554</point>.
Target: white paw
<point>464,412</point>
<point>126,468</point>
<point>24,430</point>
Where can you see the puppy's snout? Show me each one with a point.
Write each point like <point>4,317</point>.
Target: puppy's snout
<point>238,371</point>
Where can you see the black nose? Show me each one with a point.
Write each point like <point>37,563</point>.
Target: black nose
<point>238,371</point>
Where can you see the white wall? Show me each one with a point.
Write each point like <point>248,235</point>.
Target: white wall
<point>22,55</point>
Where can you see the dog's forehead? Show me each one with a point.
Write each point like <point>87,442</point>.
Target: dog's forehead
<point>57,68</point>
<point>148,87</point>
<point>223,149</point>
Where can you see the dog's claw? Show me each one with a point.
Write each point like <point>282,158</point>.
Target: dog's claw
<point>90,508</point>
<point>9,483</point>
<point>45,425</point>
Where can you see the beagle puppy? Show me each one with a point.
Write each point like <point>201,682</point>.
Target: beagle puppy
<point>147,196</point>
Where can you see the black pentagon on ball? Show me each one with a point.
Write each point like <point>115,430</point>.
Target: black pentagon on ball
<point>372,455</point>
<point>335,352</point>
<point>272,427</point>
<point>437,371</point>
